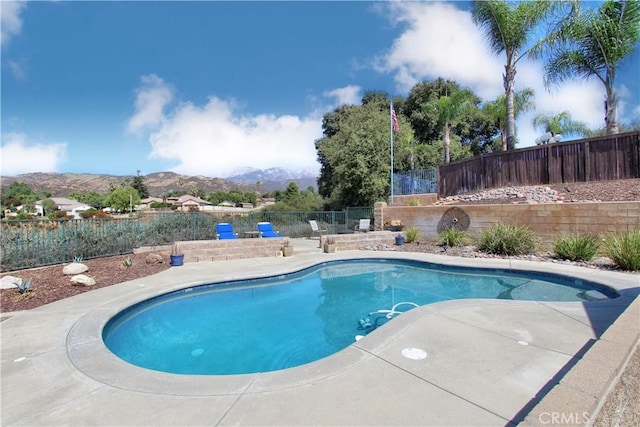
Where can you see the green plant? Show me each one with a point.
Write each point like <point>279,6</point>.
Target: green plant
<point>452,237</point>
<point>411,234</point>
<point>624,249</point>
<point>77,258</point>
<point>414,202</point>
<point>507,239</point>
<point>127,262</point>
<point>576,247</point>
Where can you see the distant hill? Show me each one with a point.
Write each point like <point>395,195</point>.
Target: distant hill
<point>63,184</point>
<point>275,178</point>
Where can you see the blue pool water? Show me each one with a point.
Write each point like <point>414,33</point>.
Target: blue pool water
<point>285,321</point>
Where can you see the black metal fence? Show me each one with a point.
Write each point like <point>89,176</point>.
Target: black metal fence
<point>34,243</point>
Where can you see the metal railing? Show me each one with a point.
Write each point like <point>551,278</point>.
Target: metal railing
<point>34,243</point>
<point>420,181</point>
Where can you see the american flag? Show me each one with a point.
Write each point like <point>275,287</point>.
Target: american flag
<point>394,121</point>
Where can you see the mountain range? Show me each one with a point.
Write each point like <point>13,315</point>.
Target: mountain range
<point>159,183</point>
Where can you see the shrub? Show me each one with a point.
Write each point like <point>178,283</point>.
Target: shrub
<point>624,249</point>
<point>89,213</point>
<point>411,234</point>
<point>575,247</point>
<point>452,237</point>
<point>506,239</point>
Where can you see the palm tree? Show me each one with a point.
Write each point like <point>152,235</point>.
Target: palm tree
<point>496,110</point>
<point>591,44</point>
<point>507,26</point>
<point>448,109</point>
<point>560,124</point>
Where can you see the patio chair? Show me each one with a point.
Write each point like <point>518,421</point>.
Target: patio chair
<point>316,230</point>
<point>364,225</point>
<point>266,230</point>
<point>224,231</point>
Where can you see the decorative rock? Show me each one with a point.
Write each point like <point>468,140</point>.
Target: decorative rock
<point>8,282</point>
<point>74,268</point>
<point>604,261</point>
<point>154,259</point>
<point>82,280</point>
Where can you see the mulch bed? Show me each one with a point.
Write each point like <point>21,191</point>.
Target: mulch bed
<point>49,284</point>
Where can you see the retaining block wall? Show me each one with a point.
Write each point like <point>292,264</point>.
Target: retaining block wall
<point>221,250</point>
<point>346,242</point>
<point>546,220</point>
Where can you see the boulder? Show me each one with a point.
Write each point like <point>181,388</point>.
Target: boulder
<point>8,282</point>
<point>82,280</point>
<point>154,259</point>
<point>74,268</point>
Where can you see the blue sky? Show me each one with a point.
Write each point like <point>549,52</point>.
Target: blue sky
<point>209,88</point>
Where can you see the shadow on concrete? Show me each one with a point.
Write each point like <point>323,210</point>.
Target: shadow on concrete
<point>602,314</point>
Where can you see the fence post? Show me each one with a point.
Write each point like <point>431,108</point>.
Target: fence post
<point>587,162</point>
<point>64,242</point>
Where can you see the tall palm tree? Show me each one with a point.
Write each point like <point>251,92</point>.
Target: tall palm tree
<point>448,109</point>
<point>591,44</point>
<point>561,123</point>
<point>496,110</point>
<point>508,26</point>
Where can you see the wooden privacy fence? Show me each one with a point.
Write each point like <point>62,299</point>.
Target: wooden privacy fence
<point>604,158</point>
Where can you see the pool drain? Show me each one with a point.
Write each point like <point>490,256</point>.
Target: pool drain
<point>414,353</point>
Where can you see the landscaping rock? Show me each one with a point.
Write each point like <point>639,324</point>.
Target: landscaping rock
<point>74,268</point>
<point>8,282</point>
<point>154,259</point>
<point>82,280</point>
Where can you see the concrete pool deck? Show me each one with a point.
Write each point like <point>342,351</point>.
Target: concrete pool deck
<point>489,362</point>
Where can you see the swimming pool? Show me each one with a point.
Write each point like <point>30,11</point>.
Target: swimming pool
<point>284,321</point>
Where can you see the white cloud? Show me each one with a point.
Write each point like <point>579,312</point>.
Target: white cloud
<point>151,99</point>
<point>10,20</point>
<point>22,156</point>
<point>345,95</point>
<point>440,41</point>
<point>215,140</point>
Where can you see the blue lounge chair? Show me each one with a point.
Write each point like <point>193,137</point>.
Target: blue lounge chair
<point>224,231</point>
<point>266,230</point>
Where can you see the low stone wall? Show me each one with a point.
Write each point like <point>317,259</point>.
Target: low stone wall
<point>222,250</point>
<point>547,220</point>
<point>349,242</point>
<point>415,199</point>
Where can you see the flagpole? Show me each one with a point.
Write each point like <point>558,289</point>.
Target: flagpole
<point>391,133</point>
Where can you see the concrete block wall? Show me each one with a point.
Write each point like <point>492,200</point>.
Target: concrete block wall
<point>546,220</point>
<point>346,242</point>
<point>221,250</point>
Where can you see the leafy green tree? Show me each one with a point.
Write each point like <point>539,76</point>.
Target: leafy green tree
<point>593,43</point>
<point>198,192</point>
<point>448,110</point>
<point>138,183</point>
<point>19,193</point>
<point>496,110</point>
<point>48,207</point>
<point>91,198</point>
<point>475,129</point>
<point>560,123</point>
<point>508,27</point>
<point>122,199</point>
<point>357,155</point>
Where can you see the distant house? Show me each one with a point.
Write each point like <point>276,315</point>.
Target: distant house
<point>190,203</point>
<point>73,208</point>
<point>267,200</point>
<point>146,203</point>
